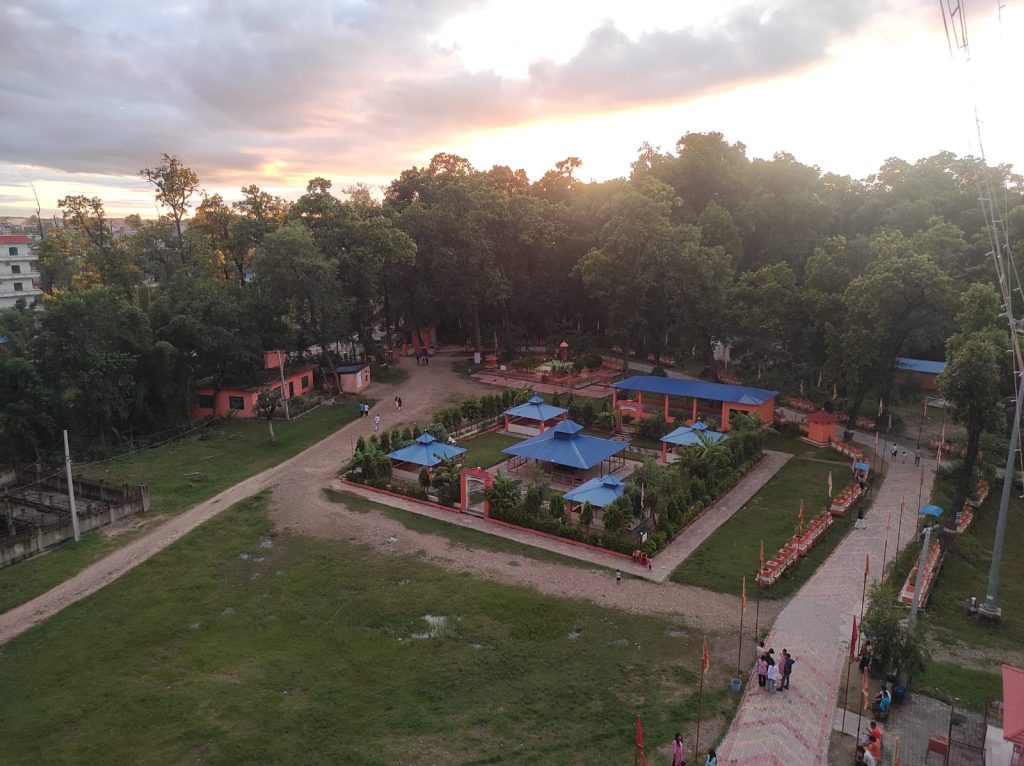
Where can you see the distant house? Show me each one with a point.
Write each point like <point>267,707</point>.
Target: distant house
<point>239,401</point>
<point>923,371</point>
<point>353,377</point>
<point>19,277</point>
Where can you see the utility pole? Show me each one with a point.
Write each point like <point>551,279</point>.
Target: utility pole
<point>284,392</point>
<point>990,609</point>
<point>71,488</point>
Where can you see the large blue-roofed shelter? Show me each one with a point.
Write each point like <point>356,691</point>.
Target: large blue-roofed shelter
<point>924,371</point>
<point>425,452</point>
<point>728,399</point>
<point>688,436</point>
<point>570,455</point>
<point>533,416</point>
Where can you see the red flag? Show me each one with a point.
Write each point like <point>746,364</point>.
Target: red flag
<point>705,662</point>
<point>640,741</point>
<point>759,571</point>
<point>864,692</point>
<point>853,640</point>
<point>896,755</point>
<point>743,596</point>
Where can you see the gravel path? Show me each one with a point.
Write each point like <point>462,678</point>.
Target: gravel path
<point>299,505</point>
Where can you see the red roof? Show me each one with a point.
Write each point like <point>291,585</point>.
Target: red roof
<point>1013,704</point>
<point>821,417</point>
<point>14,239</point>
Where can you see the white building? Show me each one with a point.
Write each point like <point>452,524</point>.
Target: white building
<point>19,277</point>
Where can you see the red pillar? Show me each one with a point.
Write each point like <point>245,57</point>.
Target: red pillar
<point>666,407</point>
<point>724,426</point>
<point>615,399</point>
<point>694,420</point>
<point>542,426</point>
<point>506,422</point>
<point>640,400</point>
<point>664,452</point>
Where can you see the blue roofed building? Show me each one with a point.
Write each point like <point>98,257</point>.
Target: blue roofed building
<point>600,492</point>
<point>571,457</point>
<point>425,452</point>
<point>692,398</point>
<point>532,417</point>
<point>688,436</point>
<point>924,371</point>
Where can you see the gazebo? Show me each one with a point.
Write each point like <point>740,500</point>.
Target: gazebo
<point>533,416</point>
<point>821,427</point>
<point>688,436</point>
<point>425,452</point>
<point>569,454</point>
<point>600,492</point>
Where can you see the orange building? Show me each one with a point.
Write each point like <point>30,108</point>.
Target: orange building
<point>718,400</point>
<point>239,401</point>
<point>821,427</point>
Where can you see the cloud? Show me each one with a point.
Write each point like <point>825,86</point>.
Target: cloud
<point>257,89</point>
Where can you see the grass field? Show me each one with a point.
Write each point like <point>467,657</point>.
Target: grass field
<point>236,646</point>
<point>771,516</point>
<point>486,450</point>
<point>974,688</point>
<point>225,455</point>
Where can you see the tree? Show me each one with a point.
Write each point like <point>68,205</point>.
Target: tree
<point>973,379</point>
<point>176,185</point>
<point>372,463</point>
<point>898,650</point>
<point>587,515</point>
<point>266,404</point>
<point>556,507</point>
<point>101,258</point>
<point>504,494</point>
<point>616,515</point>
<point>25,412</point>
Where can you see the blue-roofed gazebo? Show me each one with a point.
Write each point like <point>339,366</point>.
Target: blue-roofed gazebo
<point>569,455</point>
<point>600,492</point>
<point>730,399</point>
<point>533,416</point>
<point>425,452</point>
<point>688,436</point>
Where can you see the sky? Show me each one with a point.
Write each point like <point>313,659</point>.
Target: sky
<point>273,93</point>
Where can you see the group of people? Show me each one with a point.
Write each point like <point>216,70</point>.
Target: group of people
<point>773,674</point>
<point>422,359</point>
<point>398,403</point>
<point>869,747</point>
<point>679,753</point>
<point>895,450</point>
<point>364,412</point>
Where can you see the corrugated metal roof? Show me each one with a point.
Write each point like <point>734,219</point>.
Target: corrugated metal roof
<point>717,392</point>
<point>920,365</point>
<point>565,445</point>
<point>425,451</point>
<point>535,409</point>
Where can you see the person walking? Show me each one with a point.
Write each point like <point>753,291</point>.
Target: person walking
<point>787,668</point>
<point>397,407</point>
<point>904,454</point>
<point>917,456</point>
<point>376,423</point>
<point>773,676</point>
<point>894,451</point>
<point>399,404</point>
<point>865,656</point>
<point>712,759</point>
<point>678,750</point>
<point>762,670</point>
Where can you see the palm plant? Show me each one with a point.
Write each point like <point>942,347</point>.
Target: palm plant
<point>503,495</point>
<point>372,463</point>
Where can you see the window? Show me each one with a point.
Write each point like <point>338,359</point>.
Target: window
<point>236,403</point>
<point>305,381</point>
<point>12,251</point>
<point>18,287</point>
<point>15,268</point>
<point>205,401</point>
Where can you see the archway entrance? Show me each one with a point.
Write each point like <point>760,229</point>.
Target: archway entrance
<point>472,484</point>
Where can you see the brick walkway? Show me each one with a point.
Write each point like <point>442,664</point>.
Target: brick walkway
<point>793,727</point>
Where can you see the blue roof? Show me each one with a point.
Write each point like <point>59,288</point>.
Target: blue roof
<point>535,409</point>
<point>687,436</point>
<point>718,392</point>
<point>920,365</point>
<point>600,492</point>
<point>931,510</point>
<point>565,445</point>
<point>425,451</point>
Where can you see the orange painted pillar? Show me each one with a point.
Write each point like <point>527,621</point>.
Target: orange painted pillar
<point>506,422</point>
<point>664,452</point>
<point>694,409</point>
<point>640,399</point>
<point>725,418</point>
<point>542,426</point>
<point>615,400</point>
<point>666,406</point>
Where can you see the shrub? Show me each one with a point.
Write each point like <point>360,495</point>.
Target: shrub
<point>605,420</point>
<point>407,437</point>
<point>653,427</point>
<point>583,412</point>
<point>659,371</point>
<point>592,361</point>
<point>438,431</point>
<point>416,432</point>
<point>424,478</point>
<point>556,507</point>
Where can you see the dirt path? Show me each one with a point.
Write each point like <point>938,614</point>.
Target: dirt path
<point>299,505</point>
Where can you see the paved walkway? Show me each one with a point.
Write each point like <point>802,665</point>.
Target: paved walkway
<point>793,727</point>
<point>663,564</point>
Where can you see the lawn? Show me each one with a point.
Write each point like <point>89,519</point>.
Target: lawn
<point>771,516</point>
<point>457,535</point>
<point>486,450</point>
<point>225,455</point>
<point>236,645</point>
<point>944,681</point>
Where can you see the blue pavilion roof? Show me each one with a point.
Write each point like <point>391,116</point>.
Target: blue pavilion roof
<point>687,436</point>
<point>700,389</point>
<point>920,365</point>
<point>425,451</point>
<point>565,445</point>
<point>600,492</point>
<point>535,409</point>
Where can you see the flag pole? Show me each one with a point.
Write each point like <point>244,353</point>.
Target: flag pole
<point>885,547</point>
<point>849,665</point>
<point>920,494</point>
<point>864,590</point>
<point>739,652</point>
<point>899,524</point>
<point>860,708</point>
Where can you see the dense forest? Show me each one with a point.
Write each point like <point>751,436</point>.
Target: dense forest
<point>805,274</point>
